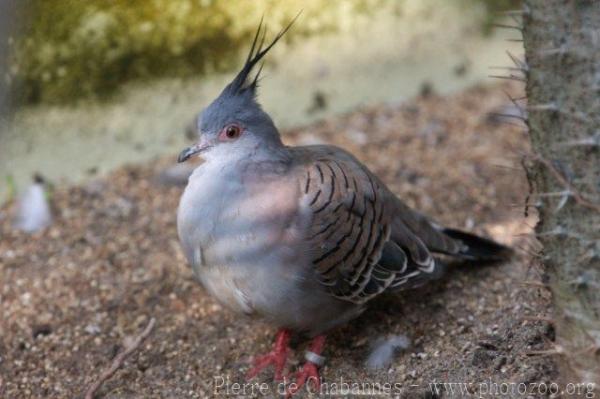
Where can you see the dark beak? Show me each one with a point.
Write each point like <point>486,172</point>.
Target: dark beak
<point>186,154</point>
<point>190,151</point>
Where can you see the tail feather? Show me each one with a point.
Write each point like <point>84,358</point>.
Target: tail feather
<point>479,248</point>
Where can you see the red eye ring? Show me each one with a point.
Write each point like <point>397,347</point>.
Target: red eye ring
<point>232,132</point>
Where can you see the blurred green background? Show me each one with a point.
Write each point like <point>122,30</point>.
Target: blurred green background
<point>71,49</point>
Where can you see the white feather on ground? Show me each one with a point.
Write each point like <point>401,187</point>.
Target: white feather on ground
<point>383,350</point>
<point>33,212</point>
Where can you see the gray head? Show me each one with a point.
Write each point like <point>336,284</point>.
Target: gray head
<point>234,123</point>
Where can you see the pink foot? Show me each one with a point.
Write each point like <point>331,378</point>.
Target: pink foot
<point>308,374</point>
<point>310,371</point>
<point>277,357</point>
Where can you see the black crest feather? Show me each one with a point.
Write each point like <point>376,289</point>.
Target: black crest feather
<point>240,83</point>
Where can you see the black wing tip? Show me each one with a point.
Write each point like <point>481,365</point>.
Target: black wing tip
<point>480,248</point>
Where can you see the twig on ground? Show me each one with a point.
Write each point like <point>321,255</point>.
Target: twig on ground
<point>534,284</point>
<point>551,352</point>
<point>120,359</point>
<point>539,318</point>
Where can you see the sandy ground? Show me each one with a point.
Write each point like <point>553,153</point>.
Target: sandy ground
<point>75,294</point>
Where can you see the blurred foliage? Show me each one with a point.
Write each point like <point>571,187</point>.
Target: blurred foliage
<point>494,9</point>
<point>71,49</point>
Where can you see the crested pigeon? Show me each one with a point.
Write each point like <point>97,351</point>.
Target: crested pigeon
<point>302,237</point>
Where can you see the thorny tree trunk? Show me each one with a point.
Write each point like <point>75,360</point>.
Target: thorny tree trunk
<point>562,50</point>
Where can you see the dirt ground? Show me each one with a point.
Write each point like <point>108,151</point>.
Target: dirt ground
<point>73,295</point>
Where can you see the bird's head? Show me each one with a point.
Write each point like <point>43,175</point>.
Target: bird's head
<point>235,123</point>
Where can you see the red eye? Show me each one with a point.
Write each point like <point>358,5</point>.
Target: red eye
<point>231,132</point>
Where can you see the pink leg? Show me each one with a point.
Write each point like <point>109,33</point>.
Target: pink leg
<point>277,357</point>
<point>310,371</point>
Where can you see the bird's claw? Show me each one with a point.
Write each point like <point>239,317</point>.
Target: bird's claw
<point>307,375</point>
<point>277,358</point>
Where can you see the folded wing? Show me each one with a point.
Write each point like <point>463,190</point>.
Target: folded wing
<point>358,241</point>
